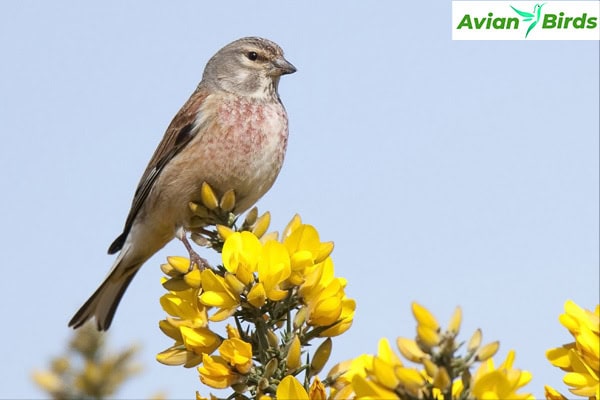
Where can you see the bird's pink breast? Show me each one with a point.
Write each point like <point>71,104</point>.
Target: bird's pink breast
<point>240,145</point>
<point>252,126</point>
<point>245,141</point>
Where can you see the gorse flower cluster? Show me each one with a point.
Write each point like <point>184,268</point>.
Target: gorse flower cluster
<point>261,325</point>
<point>441,372</point>
<point>279,295</point>
<point>581,358</point>
<point>87,370</point>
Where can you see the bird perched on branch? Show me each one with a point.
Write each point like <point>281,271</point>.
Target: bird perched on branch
<point>231,133</point>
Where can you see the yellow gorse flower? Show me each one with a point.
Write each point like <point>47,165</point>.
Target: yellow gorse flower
<point>444,374</point>
<point>241,251</point>
<point>342,375</point>
<point>552,394</point>
<point>317,390</point>
<point>290,389</point>
<point>293,360</point>
<point>237,353</point>
<point>216,372</point>
<point>217,292</point>
<point>281,293</point>
<point>424,317</point>
<point>273,269</point>
<point>325,299</point>
<point>199,340</point>
<point>259,285</point>
<point>581,358</point>
<point>502,382</point>
<point>185,308</point>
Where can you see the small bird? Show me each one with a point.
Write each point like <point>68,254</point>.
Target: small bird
<point>231,133</point>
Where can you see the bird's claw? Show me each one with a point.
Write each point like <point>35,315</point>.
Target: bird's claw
<point>194,257</point>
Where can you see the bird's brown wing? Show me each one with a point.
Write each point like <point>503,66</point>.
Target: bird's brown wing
<point>179,133</point>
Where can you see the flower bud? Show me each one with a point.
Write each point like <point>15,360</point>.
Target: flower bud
<point>257,295</point>
<point>172,356</point>
<point>321,357</point>
<point>272,339</point>
<point>199,210</point>
<point>324,251</point>
<point>263,383</point>
<point>465,377</point>
<point>200,240</point>
<point>441,380</point>
<point>49,381</point>
<point>262,224</point>
<point>224,231</point>
<point>427,336</point>
<point>293,356</point>
<point>269,236</point>
<point>455,321</point>
<point>430,367</point>
<point>410,377</point>
<point>271,367</point>
<point>239,388</point>
<point>424,317</point>
<point>232,332</point>
<point>180,264</point>
<point>192,278</point>
<point>291,226</point>
<point>251,217</point>
<point>60,365</point>
<point>553,394</point>
<point>410,350</point>
<point>317,390</point>
<point>228,201</point>
<point>209,199</point>
<point>475,341</point>
<point>167,269</point>
<point>487,351</point>
<point>169,329</point>
<point>176,284</point>
<point>234,283</point>
<point>300,318</point>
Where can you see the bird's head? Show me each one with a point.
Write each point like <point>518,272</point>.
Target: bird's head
<point>249,66</point>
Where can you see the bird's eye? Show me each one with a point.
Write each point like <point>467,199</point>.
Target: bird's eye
<point>252,56</point>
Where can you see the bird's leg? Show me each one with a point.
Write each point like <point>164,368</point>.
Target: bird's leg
<point>194,257</point>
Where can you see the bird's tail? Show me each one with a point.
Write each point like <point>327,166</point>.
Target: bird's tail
<point>105,300</point>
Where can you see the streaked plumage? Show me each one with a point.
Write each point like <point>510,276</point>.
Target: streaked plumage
<point>231,133</point>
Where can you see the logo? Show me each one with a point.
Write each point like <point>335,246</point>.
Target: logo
<point>535,16</point>
<point>520,20</point>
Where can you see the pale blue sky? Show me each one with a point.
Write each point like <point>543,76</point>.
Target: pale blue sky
<point>450,173</point>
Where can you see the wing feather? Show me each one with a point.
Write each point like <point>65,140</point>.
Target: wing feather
<point>523,13</point>
<point>181,131</point>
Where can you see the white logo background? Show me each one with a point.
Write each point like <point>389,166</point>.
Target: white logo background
<point>502,9</point>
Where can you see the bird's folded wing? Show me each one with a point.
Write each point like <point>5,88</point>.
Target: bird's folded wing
<point>179,133</point>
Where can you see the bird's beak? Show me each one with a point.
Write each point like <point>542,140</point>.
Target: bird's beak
<point>281,66</point>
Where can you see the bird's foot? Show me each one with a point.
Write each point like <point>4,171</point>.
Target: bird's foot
<point>194,257</point>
